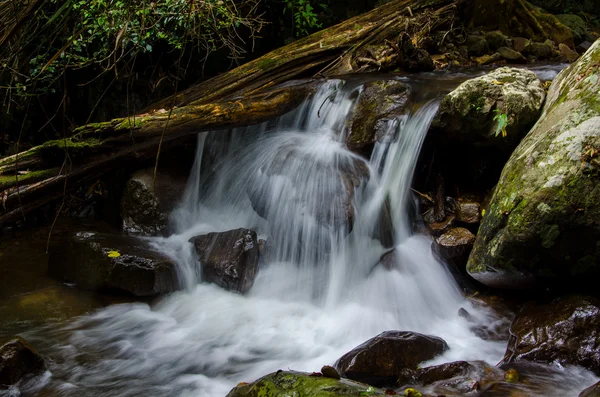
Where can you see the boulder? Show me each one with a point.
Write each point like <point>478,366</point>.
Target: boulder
<point>18,360</point>
<point>576,24</point>
<point>380,360</point>
<point>592,391</point>
<point>113,262</point>
<point>542,51</point>
<point>477,45</point>
<point>468,212</point>
<point>543,220</point>
<point>567,54</point>
<point>520,43</point>
<point>467,113</point>
<point>228,259</point>
<point>583,47</point>
<point>379,104</point>
<point>497,39</point>
<point>455,244</point>
<point>299,384</point>
<point>146,203</point>
<point>565,331</point>
<point>511,55</point>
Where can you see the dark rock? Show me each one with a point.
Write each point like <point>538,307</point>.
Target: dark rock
<point>455,243</point>
<point>592,391</point>
<point>291,383</point>
<point>146,203</point>
<point>511,55</point>
<point>575,23</point>
<point>542,51</point>
<point>542,221</point>
<point>380,360</point>
<point>413,59</point>
<point>583,47</point>
<point>378,105</point>
<point>330,372</point>
<point>567,54</point>
<point>497,39</point>
<point>106,261</point>
<point>554,6</point>
<point>389,260</point>
<point>520,43</point>
<point>477,45</point>
<point>229,259</point>
<point>565,331</point>
<point>468,212</point>
<point>19,360</point>
<point>438,228</point>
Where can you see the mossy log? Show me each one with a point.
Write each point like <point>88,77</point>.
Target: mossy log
<point>247,95</point>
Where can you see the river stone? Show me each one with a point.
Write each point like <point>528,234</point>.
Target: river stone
<point>497,39</point>
<point>468,212</point>
<point>19,360</point>
<point>229,259</point>
<point>519,43</point>
<point>113,262</point>
<point>487,59</point>
<point>511,55</point>
<point>565,331</point>
<point>378,105</point>
<point>438,228</point>
<point>146,204</point>
<point>592,391</point>
<point>299,384</point>
<point>467,113</point>
<point>543,219</point>
<point>477,45</point>
<point>380,360</point>
<point>542,51</point>
<point>567,54</point>
<point>575,23</point>
<point>455,243</point>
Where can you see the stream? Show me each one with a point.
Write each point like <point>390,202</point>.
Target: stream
<point>317,294</point>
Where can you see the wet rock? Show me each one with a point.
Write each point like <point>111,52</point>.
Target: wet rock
<point>114,262</point>
<point>542,221</point>
<point>497,39</point>
<point>592,391</point>
<point>146,203</point>
<point>467,113</point>
<point>468,212</point>
<point>18,360</point>
<point>576,24</point>
<point>583,47</point>
<point>438,228</point>
<point>511,55</point>
<point>477,45</point>
<point>565,331</point>
<point>542,51</point>
<point>377,107</point>
<point>455,243</point>
<point>380,360</point>
<point>520,43</point>
<point>299,384</point>
<point>567,54</point>
<point>229,259</point>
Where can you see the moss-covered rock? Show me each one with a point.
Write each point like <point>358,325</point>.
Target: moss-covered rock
<point>299,384</point>
<point>576,24</point>
<point>379,103</point>
<point>471,113</point>
<point>543,221</point>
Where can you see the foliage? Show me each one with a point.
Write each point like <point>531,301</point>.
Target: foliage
<point>502,122</point>
<point>303,15</point>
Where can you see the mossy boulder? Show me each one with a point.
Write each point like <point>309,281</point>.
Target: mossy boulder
<point>565,331</point>
<point>18,360</point>
<point>102,261</point>
<point>380,360</point>
<point>300,384</point>
<point>468,113</point>
<point>228,259</point>
<point>543,221</point>
<point>378,105</point>
<point>147,201</point>
<point>576,24</point>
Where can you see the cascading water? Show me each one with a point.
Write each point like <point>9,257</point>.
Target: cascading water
<point>320,292</point>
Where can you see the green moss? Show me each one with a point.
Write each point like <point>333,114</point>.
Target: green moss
<point>8,181</point>
<point>549,235</point>
<point>267,63</point>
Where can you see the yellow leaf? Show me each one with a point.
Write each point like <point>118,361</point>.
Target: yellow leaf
<point>482,213</point>
<point>497,82</point>
<point>113,254</point>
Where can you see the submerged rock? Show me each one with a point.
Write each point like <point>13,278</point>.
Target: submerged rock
<point>114,262</point>
<point>299,384</point>
<point>378,105</point>
<point>229,259</point>
<point>542,222</point>
<point>469,113</point>
<point>146,202</point>
<point>380,360</point>
<point>565,331</point>
<point>18,360</point>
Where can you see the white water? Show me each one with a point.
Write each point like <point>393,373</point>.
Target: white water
<point>317,297</point>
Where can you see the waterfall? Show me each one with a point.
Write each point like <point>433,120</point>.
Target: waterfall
<point>320,293</point>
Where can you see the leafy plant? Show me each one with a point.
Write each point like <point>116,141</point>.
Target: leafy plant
<point>502,122</point>
<point>303,15</point>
